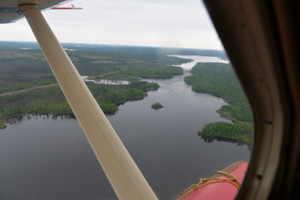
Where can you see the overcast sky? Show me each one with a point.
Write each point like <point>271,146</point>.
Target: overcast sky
<point>169,23</point>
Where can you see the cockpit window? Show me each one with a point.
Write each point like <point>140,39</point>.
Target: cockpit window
<point>160,74</point>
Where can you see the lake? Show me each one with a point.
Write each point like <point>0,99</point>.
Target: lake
<point>196,59</point>
<point>105,81</point>
<point>47,157</point>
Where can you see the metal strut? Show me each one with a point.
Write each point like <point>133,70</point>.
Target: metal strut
<point>120,169</point>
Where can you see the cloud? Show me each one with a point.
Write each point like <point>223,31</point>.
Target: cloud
<point>174,23</point>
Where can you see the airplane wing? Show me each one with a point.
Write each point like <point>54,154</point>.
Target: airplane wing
<point>9,10</point>
<point>121,170</point>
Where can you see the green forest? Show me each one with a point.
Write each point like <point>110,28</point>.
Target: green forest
<point>27,85</point>
<point>51,100</point>
<point>219,80</point>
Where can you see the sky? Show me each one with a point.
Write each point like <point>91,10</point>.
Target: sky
<point>166,23</point>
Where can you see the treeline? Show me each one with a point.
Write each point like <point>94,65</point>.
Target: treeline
<point>149,72</point>
<point>144,85</point>
<point>219,80</point>
<point>52,101</point>
<point>240,131</point>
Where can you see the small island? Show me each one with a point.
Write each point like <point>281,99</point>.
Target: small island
<point>157,106</point>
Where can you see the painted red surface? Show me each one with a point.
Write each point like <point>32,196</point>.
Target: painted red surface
<point>220,190</point>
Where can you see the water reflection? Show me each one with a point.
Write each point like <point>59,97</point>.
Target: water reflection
<point>21,118</point>
<point>210,139</point>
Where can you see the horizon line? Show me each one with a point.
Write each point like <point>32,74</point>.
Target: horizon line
<point>129,45</point>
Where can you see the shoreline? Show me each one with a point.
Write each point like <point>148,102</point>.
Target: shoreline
<point>3,123</point>
<point>219,81</point>
<point>111,99</point>
<point>225,137</point>
<point>211,138</point>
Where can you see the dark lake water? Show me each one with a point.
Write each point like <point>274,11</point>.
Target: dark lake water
<point>46,158</point>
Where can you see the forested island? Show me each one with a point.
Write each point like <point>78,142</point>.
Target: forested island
<point>27,85</point>
<point>219,80</point>
<point>157,106</point>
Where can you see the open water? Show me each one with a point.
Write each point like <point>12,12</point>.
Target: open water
<point>47,157</point>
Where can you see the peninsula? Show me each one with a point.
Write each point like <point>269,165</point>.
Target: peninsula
<point>219,80</point>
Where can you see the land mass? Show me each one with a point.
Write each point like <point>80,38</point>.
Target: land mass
<point>219,80</point>
<point>157,106</point>
<point>50,100</point>
<point>27,85</point>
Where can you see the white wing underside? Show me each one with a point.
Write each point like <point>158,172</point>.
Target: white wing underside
<point>9,11</point>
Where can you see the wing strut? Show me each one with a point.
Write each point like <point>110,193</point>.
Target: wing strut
<point>122,172</point>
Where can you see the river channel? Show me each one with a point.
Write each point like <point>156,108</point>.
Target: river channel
<point>46,157</point>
